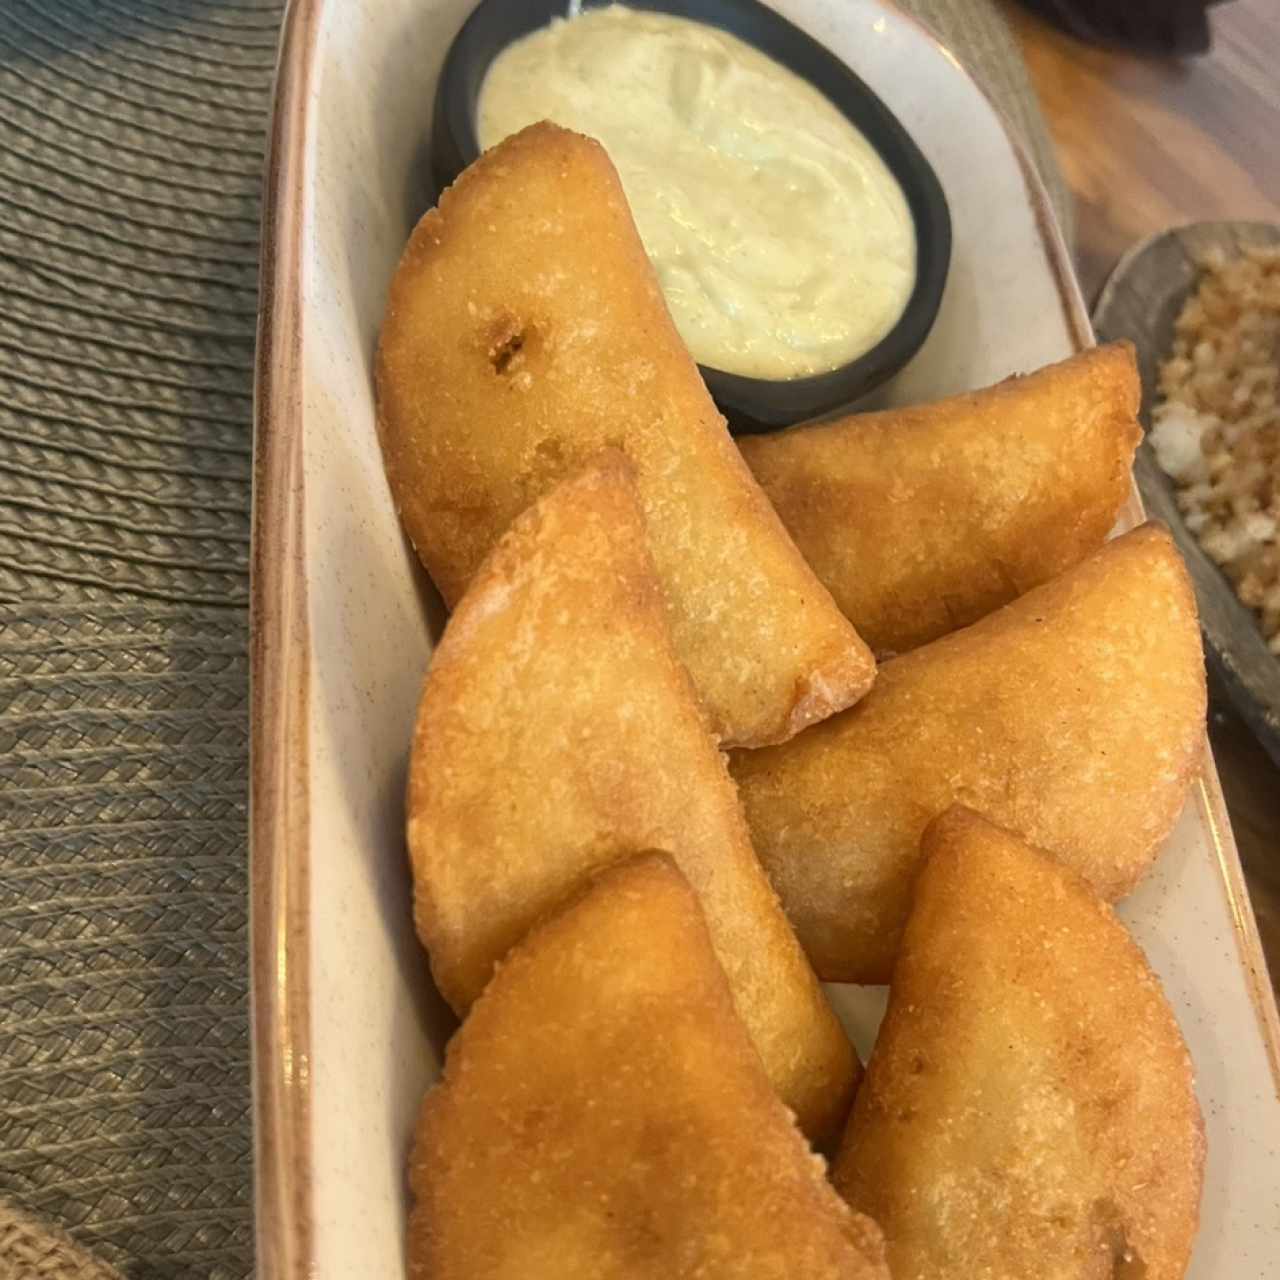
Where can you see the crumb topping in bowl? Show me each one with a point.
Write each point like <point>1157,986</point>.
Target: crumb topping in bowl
<point>1216,427</point>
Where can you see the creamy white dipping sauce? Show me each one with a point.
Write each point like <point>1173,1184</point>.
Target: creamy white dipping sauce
<point>782,242</point>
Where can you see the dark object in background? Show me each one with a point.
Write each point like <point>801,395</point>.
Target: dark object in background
<point>1169,27</point>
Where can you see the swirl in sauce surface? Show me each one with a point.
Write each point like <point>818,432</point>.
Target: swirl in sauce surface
<point>783,244</point>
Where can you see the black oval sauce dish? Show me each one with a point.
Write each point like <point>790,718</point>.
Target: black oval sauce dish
<point>750,404</point>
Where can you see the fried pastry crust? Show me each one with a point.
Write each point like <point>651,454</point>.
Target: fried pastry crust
<point>1074,716</point>
<point>525,331</point>
<point>1028,1111</point>
<point>557,733</point>
<point>923,520</point>
<point>603,1114</point>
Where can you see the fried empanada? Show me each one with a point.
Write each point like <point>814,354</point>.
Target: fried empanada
<point>923,520</point>
<point>524,332</point>
<point>1074,716</point>
<point>1028,1112</point>
<point>557,733</point>
<point>603,1114</point>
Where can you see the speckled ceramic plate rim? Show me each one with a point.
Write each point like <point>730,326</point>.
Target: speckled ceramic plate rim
<point>280,642</point>
<point>279,676</point>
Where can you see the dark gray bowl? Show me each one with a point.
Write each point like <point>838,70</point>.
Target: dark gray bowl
<point>1140,301</point>
<point>750,404</point>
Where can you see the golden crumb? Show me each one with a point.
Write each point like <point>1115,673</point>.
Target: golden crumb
<point>1216,429</point>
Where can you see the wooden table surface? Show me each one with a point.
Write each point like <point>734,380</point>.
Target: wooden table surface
<point>1146,144</point>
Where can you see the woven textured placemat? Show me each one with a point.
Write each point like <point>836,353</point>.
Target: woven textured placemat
<point>131,142</point>
<point>131,138</point>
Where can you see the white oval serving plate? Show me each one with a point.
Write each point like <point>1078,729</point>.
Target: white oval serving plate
<point>348,1031</point>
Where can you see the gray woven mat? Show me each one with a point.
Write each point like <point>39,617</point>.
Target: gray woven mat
<point>131,139</point>
<point>131,136</point>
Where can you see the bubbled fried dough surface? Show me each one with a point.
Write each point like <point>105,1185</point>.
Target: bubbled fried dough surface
<point>525,331</point>
<point>1028,1112</point>
<point>558,732</point>
<point>602,1113</point>
<point>924,519</point>
<point>1074,716</point>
